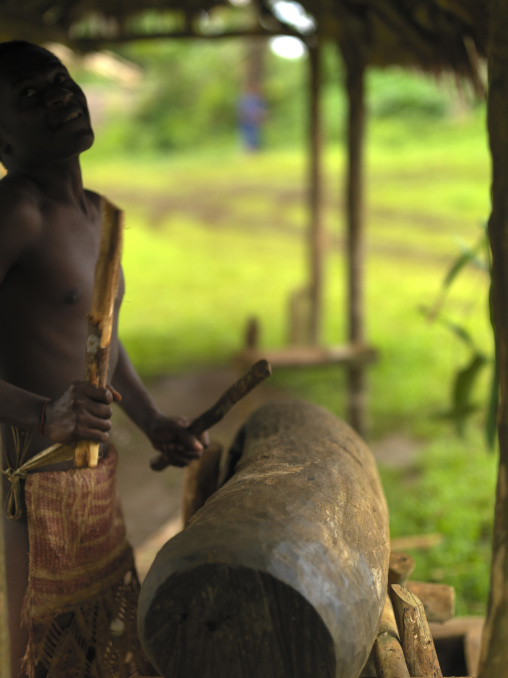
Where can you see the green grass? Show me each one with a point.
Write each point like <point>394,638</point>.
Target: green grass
<point>214,238</point>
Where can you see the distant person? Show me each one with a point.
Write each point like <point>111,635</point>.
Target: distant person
<point>251,116</point>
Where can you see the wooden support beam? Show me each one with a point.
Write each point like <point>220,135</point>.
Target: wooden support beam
<point>494,651</point>
<point>316,236</point>
<point>355,88</point>
<point>101,42</point>
<point>414,633</point>
<point>283,572</point>
<point>310,356</point>
<point>100,318</point>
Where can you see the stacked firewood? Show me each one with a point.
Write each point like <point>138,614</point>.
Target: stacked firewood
<point>416,618</point>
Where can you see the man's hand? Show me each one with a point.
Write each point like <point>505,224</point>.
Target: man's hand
<point>171,436</point>
<point>83,412</point>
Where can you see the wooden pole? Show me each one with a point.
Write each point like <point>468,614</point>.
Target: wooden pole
<point>494,651</point>
<point>100,319</point>
<point>355,86</point>
<point>283,572</point>
<point>316,228</point>
<point>5,652</point>
<point>414,633</point>
<point>242,387</point>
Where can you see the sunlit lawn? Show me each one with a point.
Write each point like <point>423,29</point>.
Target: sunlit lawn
<point>215,238</point>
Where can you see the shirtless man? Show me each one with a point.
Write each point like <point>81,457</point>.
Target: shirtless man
<point>49,239</point>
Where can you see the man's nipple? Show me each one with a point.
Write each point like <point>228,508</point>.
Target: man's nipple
<point>71,297</point>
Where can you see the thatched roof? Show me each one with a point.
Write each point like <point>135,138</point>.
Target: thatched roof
<point>433,35</point>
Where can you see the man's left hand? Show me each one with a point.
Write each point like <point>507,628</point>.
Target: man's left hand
<point>170,435</point>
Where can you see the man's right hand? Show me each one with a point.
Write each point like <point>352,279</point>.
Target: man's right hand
<point>83,412</point>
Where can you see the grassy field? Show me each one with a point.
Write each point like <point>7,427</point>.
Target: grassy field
<point>215,238</point>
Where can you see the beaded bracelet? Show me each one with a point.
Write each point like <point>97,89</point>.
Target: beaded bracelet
<point>43,417</point>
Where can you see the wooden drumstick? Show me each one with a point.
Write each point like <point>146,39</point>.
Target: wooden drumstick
<point>257,373</point>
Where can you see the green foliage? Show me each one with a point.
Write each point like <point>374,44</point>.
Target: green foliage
<point>396,93</point>
<point>449,491</point>
<point>188,95</point>
<point>466,378</point>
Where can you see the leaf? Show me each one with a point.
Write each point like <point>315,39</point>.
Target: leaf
<point>468,256</point>
<point>460,332</point>
<point>463,389</point>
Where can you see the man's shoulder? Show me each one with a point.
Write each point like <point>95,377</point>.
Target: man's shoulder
<point>19,204</point>
<point>20,219</point>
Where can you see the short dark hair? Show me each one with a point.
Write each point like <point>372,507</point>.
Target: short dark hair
<point>10,48</point>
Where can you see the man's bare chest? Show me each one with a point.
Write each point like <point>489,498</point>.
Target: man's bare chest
<point>57,271</point>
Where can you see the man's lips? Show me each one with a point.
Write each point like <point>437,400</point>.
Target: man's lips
<point>68,116</point>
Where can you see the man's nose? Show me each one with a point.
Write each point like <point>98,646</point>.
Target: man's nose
<point>56,96</point>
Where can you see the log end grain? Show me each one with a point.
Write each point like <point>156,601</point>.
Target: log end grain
<point>220,620</point>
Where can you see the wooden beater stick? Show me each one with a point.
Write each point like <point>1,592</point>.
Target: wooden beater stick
<point>257,373</point>
<point>100,318</point>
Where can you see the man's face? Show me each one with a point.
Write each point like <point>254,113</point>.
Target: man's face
<point>43,113</point>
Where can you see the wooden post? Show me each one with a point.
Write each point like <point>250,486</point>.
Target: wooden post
<point>100,319</point>
<point>283,572</point>
<point>5,652</point>
<point>494,651</point>
<point>355,85</point>
<point>316,227</point>
<point>415,634</point>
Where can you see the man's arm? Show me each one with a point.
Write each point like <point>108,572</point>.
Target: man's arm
<point>167,434</point>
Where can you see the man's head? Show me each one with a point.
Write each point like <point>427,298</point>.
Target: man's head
<point>43,113</point>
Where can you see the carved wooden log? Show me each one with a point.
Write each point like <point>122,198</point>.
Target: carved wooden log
<point>283,572</point>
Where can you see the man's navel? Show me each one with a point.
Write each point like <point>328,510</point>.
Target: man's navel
<point>72,297</point>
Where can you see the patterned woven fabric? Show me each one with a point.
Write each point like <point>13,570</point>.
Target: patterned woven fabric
<point>81,600</point>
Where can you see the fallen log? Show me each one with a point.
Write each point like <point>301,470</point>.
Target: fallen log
<point>283,572</point>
